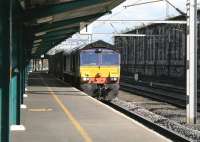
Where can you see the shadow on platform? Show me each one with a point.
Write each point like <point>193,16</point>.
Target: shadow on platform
<point>35,80</point>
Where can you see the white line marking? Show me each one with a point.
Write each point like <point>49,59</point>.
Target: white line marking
<point>17,128</point>
<point>23,106</point>
<point>25,95</point>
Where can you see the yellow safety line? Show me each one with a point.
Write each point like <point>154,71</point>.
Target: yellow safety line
<point>73,120</point>
<point>69,115</point>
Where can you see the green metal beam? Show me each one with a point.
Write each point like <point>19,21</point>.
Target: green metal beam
<point>51,41</point>
<point>47,44</point>
<point>47,26</point>
<point>56,37</point>
<point>45,11</point>
<point>4,70</point>
<point>47,48</point>
<point>57,43</point>
<point>53,36</point>
<point>63,27</point>
<point>58,33</point>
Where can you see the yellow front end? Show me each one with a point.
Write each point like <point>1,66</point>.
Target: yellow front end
<point>100,74</point>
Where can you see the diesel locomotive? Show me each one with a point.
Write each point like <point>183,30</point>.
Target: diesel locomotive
<point>94,68</point>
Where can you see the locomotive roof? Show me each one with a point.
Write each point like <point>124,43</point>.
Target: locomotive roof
<point>98,44</point>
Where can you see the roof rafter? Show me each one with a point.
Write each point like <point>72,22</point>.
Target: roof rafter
<point>58,32</point>
<point>47,26</point>
<point>50,10</point>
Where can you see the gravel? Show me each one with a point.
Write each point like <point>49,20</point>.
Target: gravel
<point>160,113</point>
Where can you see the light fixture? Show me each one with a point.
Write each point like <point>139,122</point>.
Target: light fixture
<point>45,19</point>
<point>37,41</point>
<point>35,48</point>
<point>40,34</point>
<point>35,45</point>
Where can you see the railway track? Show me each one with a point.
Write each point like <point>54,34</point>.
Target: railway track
<point>170,129</point>
<point>163,86</point>
<point>169,94</point>
<point>156,125</point>
<point>165,126</point>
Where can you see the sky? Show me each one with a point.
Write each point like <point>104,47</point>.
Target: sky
<point>106,29</point>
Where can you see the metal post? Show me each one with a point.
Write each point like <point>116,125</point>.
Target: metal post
<point>22,63</point>
<point>26,74</point>
<point>191,61</point>
<point>20,67</point>
<point>33,65</point>
<point>23,81</point>
<point>4,70</point>
<point>42,64</point>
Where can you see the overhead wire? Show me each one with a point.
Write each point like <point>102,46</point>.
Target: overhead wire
<point>142,3</point>
<point>155,1</point>
<point>177,9</point>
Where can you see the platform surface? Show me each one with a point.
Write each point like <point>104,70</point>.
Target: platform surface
<point>57,112</point>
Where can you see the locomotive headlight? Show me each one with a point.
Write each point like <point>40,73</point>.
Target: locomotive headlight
<point>113,79</point>
<point>85,79</point>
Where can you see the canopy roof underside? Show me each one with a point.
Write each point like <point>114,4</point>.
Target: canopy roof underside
<point>52,21</point>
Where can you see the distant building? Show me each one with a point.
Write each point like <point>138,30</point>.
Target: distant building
<point>160,55</point>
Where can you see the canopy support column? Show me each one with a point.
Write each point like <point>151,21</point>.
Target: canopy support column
<point>4,70</point>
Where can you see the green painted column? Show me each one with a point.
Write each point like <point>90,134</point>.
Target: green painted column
<point>26,74</point>
<point>14,84</point>
<point>22,84</point>
<point>15,75</point>
<point>20,74</point>
<point>15,87</point>
<point>22,60</point>
<point>13,99</point>
<point>4,70</point>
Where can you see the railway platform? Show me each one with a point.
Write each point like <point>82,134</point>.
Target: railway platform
<point>56,111</point>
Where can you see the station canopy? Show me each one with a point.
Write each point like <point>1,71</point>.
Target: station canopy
<point>53,21</point>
